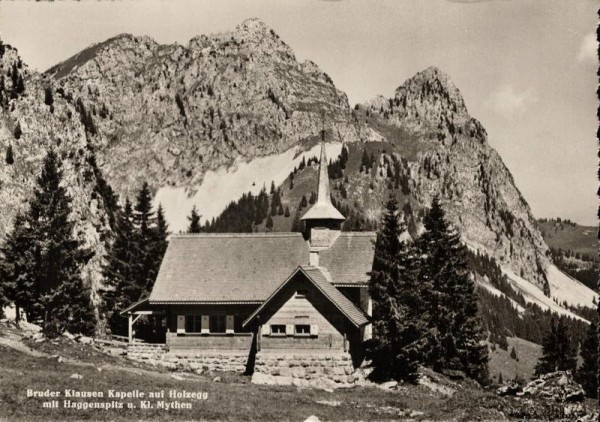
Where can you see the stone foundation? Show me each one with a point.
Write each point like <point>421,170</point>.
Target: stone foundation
<point>325,370</point>
<point>191,360</point>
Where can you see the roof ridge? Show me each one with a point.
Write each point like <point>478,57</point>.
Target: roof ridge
<point>358,234</point>
<point>205,235</point>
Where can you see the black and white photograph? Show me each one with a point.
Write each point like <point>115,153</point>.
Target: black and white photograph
<point>299,210</point>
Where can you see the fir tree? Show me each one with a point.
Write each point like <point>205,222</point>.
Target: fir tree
<point>296,226</point>
<point>280,209</point>
<point>344,157</point>
<point>587,375</point>
<point>287,212</point>
<point>558,354</point>
<point>20,85</point>
<point>269,223</point>
<point>15,265</point>
<point>194,220</point>
<point>364,162</point>
<point>159,247</point>
<point>513,353</point>
<point>51,271</point>
<point>48,98</point>
<point>398,321</point>
<point>455,332</point>
<point>303,202</point>
<point>500,379</point>
<point>18,132</point>
<point>119,274</point>
<point>9,159</point>
<point>144,221</point>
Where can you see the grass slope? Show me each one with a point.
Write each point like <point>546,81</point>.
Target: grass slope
<point>570,236</point>
<point>528,354</point>
<point>233,398</point>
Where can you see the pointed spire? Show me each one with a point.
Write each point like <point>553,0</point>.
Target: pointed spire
<point>323,193</point>
<point>323,209</point>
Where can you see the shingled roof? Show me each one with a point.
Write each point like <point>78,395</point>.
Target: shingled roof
<point>247,268</point>
<point>350,258</point>
<point>323,284</point>
<point>226,267</point>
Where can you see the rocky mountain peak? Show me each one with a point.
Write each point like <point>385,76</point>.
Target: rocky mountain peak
<point>430,97</point>
<point>252,26</point>
<point>262,38</point>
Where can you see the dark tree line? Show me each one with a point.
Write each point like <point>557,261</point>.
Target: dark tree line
<point>42,259</point>
<point>134,258</point>
<point>424,302</point>
<point>241,216</point>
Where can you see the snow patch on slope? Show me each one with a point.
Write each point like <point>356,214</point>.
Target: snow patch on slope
<point>566,288</point>
<point>534,294</point>
<point>222,186</point>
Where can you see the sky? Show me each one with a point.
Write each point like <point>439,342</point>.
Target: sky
<point>526,68</point>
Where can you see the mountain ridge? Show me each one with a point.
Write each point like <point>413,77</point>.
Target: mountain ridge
<point>178,113</point>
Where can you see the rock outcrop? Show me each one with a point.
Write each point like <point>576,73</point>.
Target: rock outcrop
<point>173,112</point>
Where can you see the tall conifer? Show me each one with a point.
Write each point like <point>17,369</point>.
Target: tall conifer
<point>144,221</point>
<point>455,332</point>
<point>46,281</point>
<point>15,264</point>
<point>587,375</point>
<point>121,290</point>
<point>397,305</point>
<point>558,354</point>
<point>9,158</point>
<point>194,220</point>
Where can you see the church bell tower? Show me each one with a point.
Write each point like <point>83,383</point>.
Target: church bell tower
<point>322,222</point>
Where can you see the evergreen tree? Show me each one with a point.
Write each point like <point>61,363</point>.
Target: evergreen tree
<point>500,379</point>
<point>303,202</point>
<point>121,290</point>
<point>48,98</point>
<point>159,247</point>
<point>20,85</point>
<point>18,132</point>
<point>364,162</point>
<point>15,265</point>
<point>455,332</point>
<point>280,209</point>
<point>513,353</point>
<point>47,282</point>
<point>558,354</point>
<point>269,223</point>
<point>287,212</point>
<point>296,224</point>
<point>144,221</point>
<point>302,163</point>
<point>587,375</point>
<point>398,322</point>
<point>344,157</point>
<point>194,220</point>
<point>9,159</point>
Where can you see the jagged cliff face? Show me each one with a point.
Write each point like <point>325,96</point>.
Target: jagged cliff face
<point>173,112</point>
<point>31,127</point>
<point>167,114</point>
<point>457,163</point>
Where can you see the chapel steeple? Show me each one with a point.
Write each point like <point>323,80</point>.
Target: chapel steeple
<point>323,214</point>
